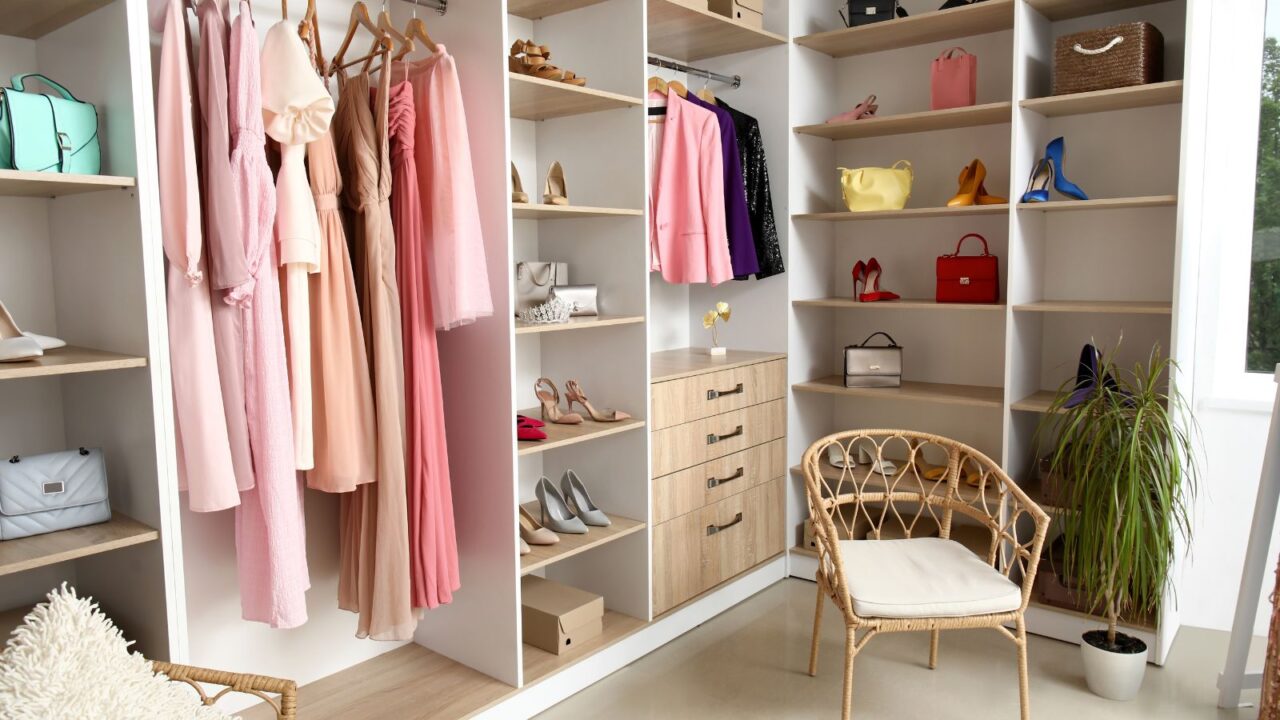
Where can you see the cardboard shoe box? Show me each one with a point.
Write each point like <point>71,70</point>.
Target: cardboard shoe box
<point>558,618</point>
<point>747,12</point>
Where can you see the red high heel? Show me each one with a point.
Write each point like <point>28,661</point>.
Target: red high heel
<point>873,292</point>
<point>859,276</point>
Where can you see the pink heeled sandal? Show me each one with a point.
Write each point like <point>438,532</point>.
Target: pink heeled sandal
<point>866,108</point>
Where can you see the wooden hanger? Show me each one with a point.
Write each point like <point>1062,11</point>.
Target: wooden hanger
<point>405,42</point>
<point>359,18</point>
<point>705,94</point>
<point>309,31</point>
<point>416,29</point>
<point>657,84</point>
<point>678,87</point>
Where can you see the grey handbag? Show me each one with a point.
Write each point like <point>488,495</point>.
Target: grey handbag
<point>55,491</point>
<point>581,298</point>
<point>873,366</point>
<point>534,280</point>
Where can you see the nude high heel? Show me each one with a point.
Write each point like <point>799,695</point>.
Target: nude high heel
<point>550,399</point>
<point>518,195</point>
<point>555,192</point>
<point>532,531</point>
<point>573,394</point>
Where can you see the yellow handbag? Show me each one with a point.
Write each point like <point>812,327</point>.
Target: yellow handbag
<point>873,188</point>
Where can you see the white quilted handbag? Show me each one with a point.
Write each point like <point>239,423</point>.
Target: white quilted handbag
<point>51,492</point>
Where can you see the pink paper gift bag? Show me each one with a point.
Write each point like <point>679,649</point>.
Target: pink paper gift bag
<point>954,79</point>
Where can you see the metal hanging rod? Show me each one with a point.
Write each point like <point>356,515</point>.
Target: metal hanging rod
<point>733,80</point>
<point>440,6</point>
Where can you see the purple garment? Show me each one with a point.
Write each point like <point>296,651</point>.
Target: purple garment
<point>742,245</point>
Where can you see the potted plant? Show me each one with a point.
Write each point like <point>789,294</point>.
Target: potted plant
<point>1124,446</point>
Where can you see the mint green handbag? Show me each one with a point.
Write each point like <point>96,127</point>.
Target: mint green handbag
<point>47,133</point>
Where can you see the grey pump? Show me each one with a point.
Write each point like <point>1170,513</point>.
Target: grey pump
<point>580,501</point>
<point>555,511</point>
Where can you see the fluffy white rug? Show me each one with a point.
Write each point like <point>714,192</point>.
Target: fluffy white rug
<point>67,660</point>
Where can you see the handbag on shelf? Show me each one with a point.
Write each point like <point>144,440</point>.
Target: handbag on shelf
<point>873,365</point>
<point>1109,57</point>
<point>51,492</point>
<point>953,79</point>
<point>865,12</point>
<point>47,133</point>
<point>534,280</point>
<point>968,278</point>
<point>581,299</point>
<point>873,188</point>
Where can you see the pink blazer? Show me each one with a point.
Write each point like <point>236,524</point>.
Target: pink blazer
<point>688,235</point>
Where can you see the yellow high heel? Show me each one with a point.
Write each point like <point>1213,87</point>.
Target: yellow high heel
<point>970,181</point>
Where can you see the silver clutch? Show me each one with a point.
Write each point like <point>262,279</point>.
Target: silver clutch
<point>55,491</point>
<point>873,365</point>
<point>581,298</point>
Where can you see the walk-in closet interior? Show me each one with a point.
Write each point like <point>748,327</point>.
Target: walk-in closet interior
<point>701,480</point>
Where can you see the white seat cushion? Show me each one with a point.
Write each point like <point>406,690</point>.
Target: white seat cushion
<point>923,577</point>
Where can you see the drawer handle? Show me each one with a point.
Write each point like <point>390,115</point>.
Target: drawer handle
<point>713,482</point>
<point>712,438</point>
<point>715,394</point>
<point>713,529</point>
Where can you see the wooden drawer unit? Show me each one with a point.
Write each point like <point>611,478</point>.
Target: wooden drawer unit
<point>693,443</point>
<point>696,487</point>
<point>719,463</point>
<point>701,396</point>
<point>695,552</point>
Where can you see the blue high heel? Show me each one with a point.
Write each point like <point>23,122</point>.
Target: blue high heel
<point>1038,184</point>
<point>1053,151</point>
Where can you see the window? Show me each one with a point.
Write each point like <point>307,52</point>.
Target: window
<point>1262,349</point>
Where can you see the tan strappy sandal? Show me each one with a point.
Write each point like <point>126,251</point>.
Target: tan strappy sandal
<point>528,58</point>
<point>573,394</point>
<point>549,397</point>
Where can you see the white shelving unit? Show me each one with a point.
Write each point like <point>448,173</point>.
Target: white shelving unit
<point>984,375</point>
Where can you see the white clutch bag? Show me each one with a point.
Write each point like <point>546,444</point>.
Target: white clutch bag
<point>51,492</point>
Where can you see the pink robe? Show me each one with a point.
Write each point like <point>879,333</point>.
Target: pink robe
<point>433,549</point>
<point>455,262</point>
<point>222,230</point>
<point>204,451</point>
<point>270,534</point>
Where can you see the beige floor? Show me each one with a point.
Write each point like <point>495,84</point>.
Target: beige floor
<point>751,662</point>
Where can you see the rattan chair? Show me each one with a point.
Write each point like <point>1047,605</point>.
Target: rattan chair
<point>915,583</point>
<point>260,686</point>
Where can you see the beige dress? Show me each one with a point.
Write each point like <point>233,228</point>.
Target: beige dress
<point>374,572</point>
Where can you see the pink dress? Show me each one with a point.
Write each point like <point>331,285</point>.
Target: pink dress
<point>271,549</point>
<point>222,231</point>
<point>455,262</point>
<point>204,451</point>
<point>433,549</point>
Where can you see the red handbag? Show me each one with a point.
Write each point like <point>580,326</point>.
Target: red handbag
<point>953,79</point>
<point>969,278</point>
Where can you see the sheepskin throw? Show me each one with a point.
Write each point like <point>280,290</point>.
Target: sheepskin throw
<point>67,660</point>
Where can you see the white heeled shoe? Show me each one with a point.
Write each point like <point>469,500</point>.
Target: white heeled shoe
<point>879,465</point>
<point>15,345</point>
<point>837,457</point>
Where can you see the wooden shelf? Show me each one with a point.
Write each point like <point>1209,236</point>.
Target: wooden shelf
<point>1039,402</point>
<point>1146,201</point>
<point>1067,9</point>
<point>879,126</point>
<point>40,550</point>
<point>539,663</point>
<point>976,19</point>
<point>939,393</point>
<point>570,545</point>
<point>1127,98</point>
<point>1101,307</point>
<point>69,360</point>
<point>922,304</point>
<point>539,211</point>
<point>906,213</point>
<point>559,436</point>
<point>537,99</point>
<point>34,19</point>
<point>579,323</point>
<point>686,362</point>
<point>538,9</point>
<point>679,30</point>
<point>18,183</point>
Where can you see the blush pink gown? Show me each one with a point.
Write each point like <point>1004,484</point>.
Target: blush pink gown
<point>270,533</point>
<point>433,551</point>
<point>204,451</point>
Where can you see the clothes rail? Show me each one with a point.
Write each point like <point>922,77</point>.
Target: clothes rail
<point>440,6</point>
<point>733,80</point>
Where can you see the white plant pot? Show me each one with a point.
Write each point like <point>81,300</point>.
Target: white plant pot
<point>1115,676</point>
